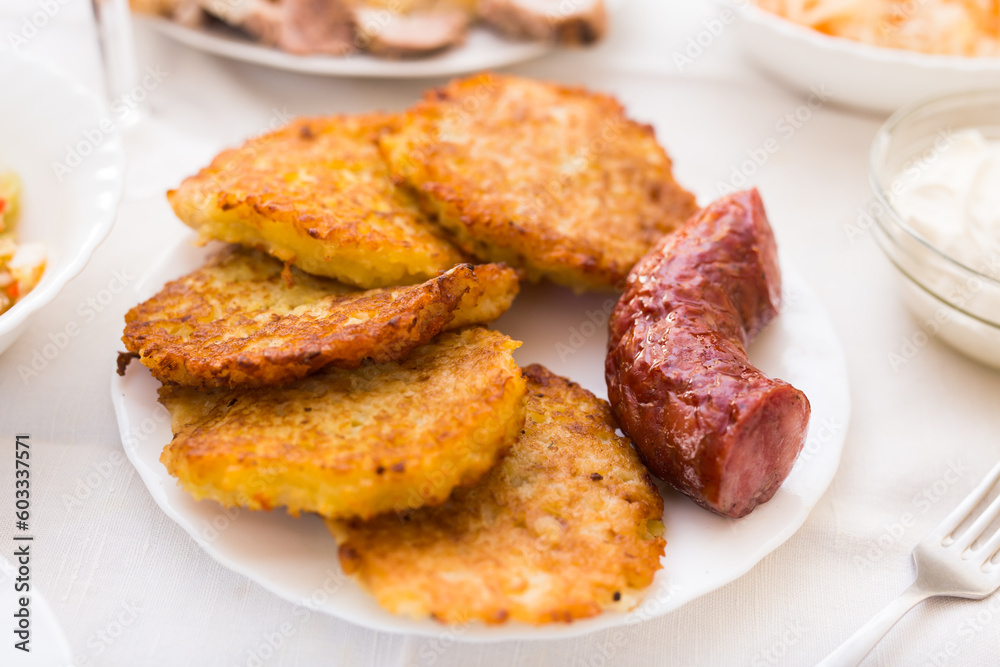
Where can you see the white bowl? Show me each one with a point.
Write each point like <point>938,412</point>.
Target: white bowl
<point>855,74</point>
<point>47,118</point>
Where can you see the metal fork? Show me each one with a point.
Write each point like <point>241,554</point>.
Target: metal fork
<point>946,565</point>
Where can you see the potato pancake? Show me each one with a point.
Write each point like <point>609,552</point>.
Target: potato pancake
<point>242,321</point>
<point>353,443</point>
<point>552,179</point>
<point>317,193</point>
<point>569,524</point>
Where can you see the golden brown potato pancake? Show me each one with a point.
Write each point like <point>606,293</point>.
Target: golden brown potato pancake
<point>317,193</point>
<point>357,442</point>
<point>237,321</point>
<point>567,525</point>
<point>553,179</point>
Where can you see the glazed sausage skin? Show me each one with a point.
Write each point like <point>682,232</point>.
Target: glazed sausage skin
<point>680,384</point>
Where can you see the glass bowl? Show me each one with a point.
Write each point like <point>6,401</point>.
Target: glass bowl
<point>956,303</point>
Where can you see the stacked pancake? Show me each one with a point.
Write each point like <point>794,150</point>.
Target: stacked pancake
<point>335,358</point>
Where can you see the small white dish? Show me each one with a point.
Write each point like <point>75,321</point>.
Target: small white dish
<point>482,50</point>
<point>957,303</point>
<point>854,74</point>
<point>55,134</point>
<point>297,558</point>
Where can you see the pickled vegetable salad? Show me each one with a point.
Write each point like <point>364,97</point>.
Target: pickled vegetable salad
<point>21,265</point>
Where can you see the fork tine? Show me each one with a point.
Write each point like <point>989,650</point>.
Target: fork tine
<point>948,526</point>
<point>979,525</point>
<point>990,548</point>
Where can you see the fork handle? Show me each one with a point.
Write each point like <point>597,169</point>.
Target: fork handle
<point>854,650</point>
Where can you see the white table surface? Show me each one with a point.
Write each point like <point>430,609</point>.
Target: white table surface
<point>130,588</point>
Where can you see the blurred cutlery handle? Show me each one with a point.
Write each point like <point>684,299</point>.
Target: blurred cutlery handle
<point>114,34</point>
<point>861,643</point>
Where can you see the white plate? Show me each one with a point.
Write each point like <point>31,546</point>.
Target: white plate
<point>297,558</point>
<point>48,118</point>
<point>855,74</point>
<point>482,50</point>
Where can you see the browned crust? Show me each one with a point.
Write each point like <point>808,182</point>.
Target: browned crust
<point>549,178</point>
<point>317,193</point>
<point>347,443</point>
<point>236,321</point>
<point>566,526</point>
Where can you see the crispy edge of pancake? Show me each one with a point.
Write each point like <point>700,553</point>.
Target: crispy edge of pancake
<point>520,230</point>
<point>370,233</point>
<point>569,524</point>
<point>353,443</point>
<point>200,331</point>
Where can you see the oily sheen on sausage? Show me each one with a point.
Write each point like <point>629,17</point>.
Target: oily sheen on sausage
<point>701,415</point>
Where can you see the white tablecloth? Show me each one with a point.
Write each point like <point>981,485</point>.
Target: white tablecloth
<point>130,588</point>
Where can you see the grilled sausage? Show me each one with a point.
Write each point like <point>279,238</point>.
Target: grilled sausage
<point>702,417</point>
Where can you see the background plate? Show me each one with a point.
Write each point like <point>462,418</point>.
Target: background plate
<point>297,558</point>
<point>852,73</point>
<point>482,50</point>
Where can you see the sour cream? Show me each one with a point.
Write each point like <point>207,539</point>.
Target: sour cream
<point>952,198</point>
